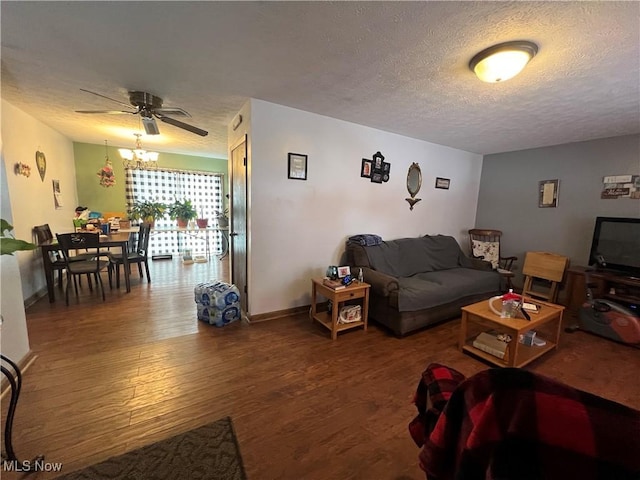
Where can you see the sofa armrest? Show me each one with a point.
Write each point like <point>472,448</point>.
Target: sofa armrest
<point>381,283</point>
<point>479,264</point>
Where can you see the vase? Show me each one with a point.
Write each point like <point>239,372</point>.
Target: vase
<point>202,222</point>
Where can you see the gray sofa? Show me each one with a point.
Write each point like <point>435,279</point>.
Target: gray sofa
<point>416,282</point>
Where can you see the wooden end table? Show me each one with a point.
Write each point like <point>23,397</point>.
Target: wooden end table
<point>330,320</point>
<point>479,317</point>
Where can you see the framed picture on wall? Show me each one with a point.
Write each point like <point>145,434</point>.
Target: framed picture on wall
<point>366,167</point>
<point>548,193</point>
<point>443,183</point>
<point>297,166</point>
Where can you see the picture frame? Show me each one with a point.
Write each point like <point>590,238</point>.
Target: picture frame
<point>376,176</point>
<point>378,159</point>
<point>548,193</point>
<point>366,167</point>
<point>443,183</point>
<point>344,271</point>
<point>297,166</point>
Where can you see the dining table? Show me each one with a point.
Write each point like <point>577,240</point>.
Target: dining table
<point>112,240</point>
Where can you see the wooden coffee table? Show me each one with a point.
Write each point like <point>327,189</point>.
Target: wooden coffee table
<point>479,317</point>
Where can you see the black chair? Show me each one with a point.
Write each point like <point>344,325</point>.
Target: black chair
<point>76,268</point>
<point>138,255</point>
<point>43,234</point>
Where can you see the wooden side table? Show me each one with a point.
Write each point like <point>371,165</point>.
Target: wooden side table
<point>330,320</point>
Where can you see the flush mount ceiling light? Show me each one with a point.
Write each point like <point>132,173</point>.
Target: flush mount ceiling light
<point>138,158</point>
<point>503,61</point>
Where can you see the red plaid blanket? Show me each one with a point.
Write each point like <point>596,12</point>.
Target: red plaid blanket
<point>513,424</point>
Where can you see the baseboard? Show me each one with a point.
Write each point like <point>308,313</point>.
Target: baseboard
<point>23,365</point>
<point>30,300</point>
<point>288,312</point>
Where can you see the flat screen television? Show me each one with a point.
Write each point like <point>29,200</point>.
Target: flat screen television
<point>616,245</point>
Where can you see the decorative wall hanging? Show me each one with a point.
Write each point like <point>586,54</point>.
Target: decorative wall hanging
<point>414,182</point>
<point>376,170</point>
<point>365,168</point>
<point>548,193</point>
<point>107,178</point>
<point>22,169</point>
<point>621,186</point>
<point>297,166</point>
<point>443,183</point>
<point>41,163</point>
<point>57,193</point>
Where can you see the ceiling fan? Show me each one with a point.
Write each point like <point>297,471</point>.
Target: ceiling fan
<point>149,106</point>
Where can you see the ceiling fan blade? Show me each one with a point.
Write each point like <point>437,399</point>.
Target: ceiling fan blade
<point>185,126</point>
<point>174,111</point>
<point>111,112</point>
<point>108,98</point>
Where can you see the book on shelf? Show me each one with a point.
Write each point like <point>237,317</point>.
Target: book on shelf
<point>335,284</point>
<point>490,344</point>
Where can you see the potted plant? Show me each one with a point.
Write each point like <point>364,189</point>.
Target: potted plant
<point>222,217</point>
<point>202,222</point>
<point>147,211</point>
<point>10,244</point>
<point>182,212</point>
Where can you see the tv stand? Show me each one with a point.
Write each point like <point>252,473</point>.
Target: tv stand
<point>615,286</point>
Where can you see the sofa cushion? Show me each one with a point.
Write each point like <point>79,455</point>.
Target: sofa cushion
<point>430,289</point>
<point>407,256</point>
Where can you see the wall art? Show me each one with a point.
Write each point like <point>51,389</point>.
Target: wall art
<point>41,163</point>
<point>443,183</point>
<point>548,193</point>
<point>621,186</point>
<point>297,166</point>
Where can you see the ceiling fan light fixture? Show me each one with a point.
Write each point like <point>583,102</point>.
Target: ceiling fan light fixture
<point>503,61</point>
<point>150,126</point>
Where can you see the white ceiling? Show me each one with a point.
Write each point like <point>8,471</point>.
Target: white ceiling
<point>396,66</point>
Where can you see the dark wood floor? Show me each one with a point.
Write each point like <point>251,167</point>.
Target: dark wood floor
<point>114,376</point>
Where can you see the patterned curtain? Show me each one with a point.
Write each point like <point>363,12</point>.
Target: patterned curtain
<point>203,189</point>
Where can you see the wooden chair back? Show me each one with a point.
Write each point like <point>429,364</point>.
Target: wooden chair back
<point>546,266</point>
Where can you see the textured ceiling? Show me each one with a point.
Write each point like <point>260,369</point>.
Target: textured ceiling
<point>395,66</point>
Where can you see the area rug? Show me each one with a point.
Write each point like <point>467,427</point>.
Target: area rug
<point>210,452</point>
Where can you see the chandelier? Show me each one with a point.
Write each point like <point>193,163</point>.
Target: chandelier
<point>138,158</point>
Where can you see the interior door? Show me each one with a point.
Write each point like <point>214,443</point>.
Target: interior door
<point>238,223</point>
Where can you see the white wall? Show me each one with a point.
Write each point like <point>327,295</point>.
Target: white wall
<point>298,228</point>
<point>32,200</point>
<point>14,341</point>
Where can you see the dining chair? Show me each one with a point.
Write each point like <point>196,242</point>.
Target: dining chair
<point>137,255</point>
<point>76,268</point>
<point>43,234</point>
<point>485,245</point>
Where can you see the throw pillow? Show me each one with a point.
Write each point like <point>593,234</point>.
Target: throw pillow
<point>489,251</point>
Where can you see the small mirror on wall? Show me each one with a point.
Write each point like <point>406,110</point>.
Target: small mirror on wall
<point>414,182</point>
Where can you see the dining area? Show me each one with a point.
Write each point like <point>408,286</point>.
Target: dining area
<point>85,255</point>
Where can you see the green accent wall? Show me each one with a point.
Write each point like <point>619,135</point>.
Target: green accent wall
<point>90,158</point>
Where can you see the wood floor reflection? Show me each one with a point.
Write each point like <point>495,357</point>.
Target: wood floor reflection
<point>114,376</point>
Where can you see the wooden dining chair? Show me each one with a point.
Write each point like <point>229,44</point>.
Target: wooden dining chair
<point>543,274</point>
<point>76,268</point>
<point>138,255</point>
<point>485,245</point>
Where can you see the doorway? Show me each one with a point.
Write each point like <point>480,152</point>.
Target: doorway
<point>238,221</point>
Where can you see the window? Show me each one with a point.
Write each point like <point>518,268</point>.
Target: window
<point>202,188</point>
